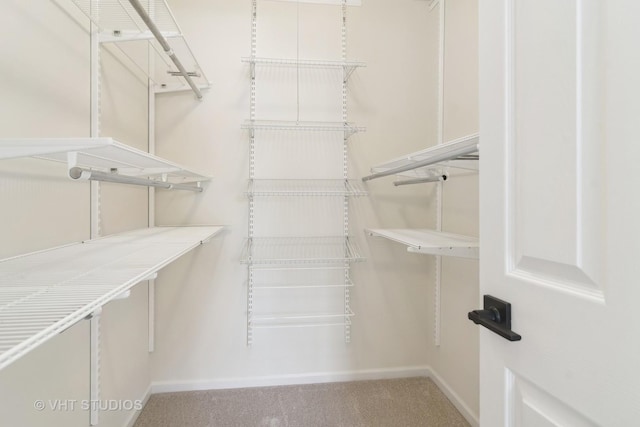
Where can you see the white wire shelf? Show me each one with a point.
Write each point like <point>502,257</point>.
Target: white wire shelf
<point>347,66</point>
<point>120,24</point>
<point>431,242</point>
<point>456,153</point>
<point>101,154</point>
<point>300,251</point>
<point>275,125</point>
<point>308,285</point>
<point>300,320</point>
<point>305,187</point>
<point>46,292</point>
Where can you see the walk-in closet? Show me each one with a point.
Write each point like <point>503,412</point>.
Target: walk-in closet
<point>318,213</point>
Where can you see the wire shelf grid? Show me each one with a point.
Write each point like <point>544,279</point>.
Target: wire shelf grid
<point>103,154</point>
<point>300,250</point>
<point>431,242</point>
<point>46,292</point>
<point>300,320</point>
<point>275,125</point>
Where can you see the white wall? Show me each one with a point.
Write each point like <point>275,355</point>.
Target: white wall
<point>456,359</point>
<point>202,301</point>
<point>45,93</point>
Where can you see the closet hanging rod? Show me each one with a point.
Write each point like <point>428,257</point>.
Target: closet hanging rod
<point>92,175</point>
<point>165,45</point>
<point>437,158</point>
<point>437,178</point>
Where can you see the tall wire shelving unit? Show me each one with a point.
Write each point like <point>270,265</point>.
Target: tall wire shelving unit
<point>281,268</point>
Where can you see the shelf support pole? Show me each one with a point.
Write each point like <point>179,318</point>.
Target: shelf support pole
<point>165,45</point>
<point>93,175</point>
<point>427,162</point>
<point>94,393</point>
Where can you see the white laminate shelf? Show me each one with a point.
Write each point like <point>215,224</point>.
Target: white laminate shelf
<point>431,242</point>
<point>305,187</point>
<point>121,25</point>
<point>46,292</point>
<point>459,153</point>
<point>101,154</point>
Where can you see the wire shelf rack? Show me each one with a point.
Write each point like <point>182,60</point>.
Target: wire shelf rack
<point>431,242</point>
<point>300,251</point>
<point>275,125</point>
<point>311,63</point>
<point>305,187</point>
<point>46,292</point>
<point>348,67</point>
<point>122,26</point>
<point>307,285</point>
<point>456,153</point>
<point>103,154</point>
<point>300,320</point>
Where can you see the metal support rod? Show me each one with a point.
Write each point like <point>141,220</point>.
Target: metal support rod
<point>165,45</point>
<point>94,375</point>
<point>427,162</point>
<point>92,175</point>
<point>437,178</point>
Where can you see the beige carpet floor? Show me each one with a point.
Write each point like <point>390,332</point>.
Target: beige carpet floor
<point>410,402</point>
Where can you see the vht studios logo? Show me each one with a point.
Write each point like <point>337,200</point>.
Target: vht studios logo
<point>68,405</point>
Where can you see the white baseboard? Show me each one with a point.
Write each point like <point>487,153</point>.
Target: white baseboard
<point>293,379</point>
<point>134,416</point>
<point>317,378</point>
<point>462,407</point>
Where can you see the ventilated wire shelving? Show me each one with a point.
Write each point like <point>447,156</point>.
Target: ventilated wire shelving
<point>281,125</point>
<point>46,292</point>
<point>348,67</point>
<point>305,187</point>
<point>112,160</point>
<point>300,320</point>
<point>460,153</point>
<point>300,251</point>
<point>122,26</point>
<point>424,241</point>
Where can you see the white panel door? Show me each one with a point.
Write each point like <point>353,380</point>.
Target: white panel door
<point>560,211</point>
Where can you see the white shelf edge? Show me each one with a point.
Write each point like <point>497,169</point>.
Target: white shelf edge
<point>96,153</point>
<point>305,187</point>
<point>107,292</point>
<point>310,126</point>
<point>303,62</point>
<point>126,21</point>
<point>295,247</point>
<point>300,320</point>
<point>431,242</point>
<point>433,157</point>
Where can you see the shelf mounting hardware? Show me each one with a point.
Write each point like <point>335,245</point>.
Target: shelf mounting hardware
<point>437,178</point>
<point>93,175</point>
<point>165,46</point>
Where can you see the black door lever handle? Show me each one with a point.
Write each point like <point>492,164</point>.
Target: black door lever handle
<point>496,316</point>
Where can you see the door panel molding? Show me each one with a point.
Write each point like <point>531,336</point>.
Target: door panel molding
<point>555,241</point>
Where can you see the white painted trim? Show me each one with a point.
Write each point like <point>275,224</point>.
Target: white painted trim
<point>462,407</point>
<point>134,416</point>
<point>293,379</point>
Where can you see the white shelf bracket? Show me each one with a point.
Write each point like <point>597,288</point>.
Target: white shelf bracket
<point>165,46</point>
